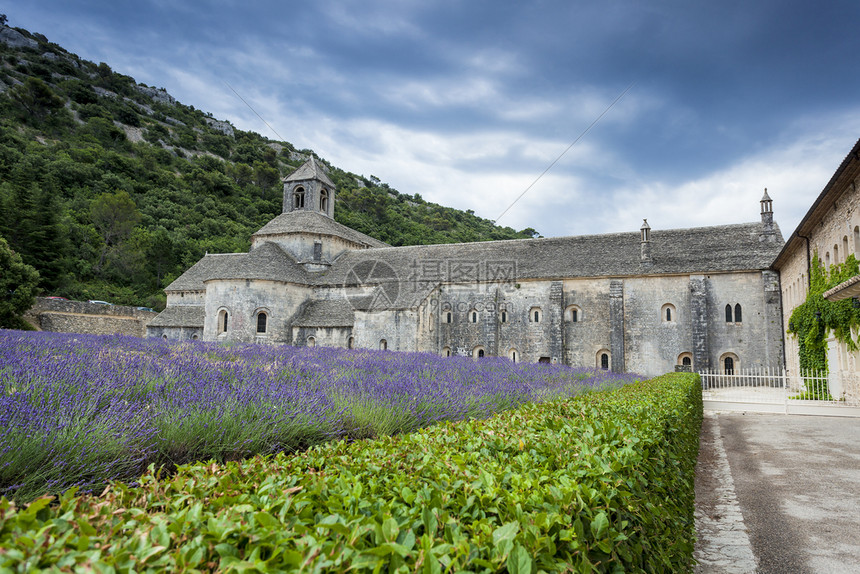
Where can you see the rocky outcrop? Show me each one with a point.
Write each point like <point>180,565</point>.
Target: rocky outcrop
<point>15,39</point>
<point>158,94</point>
<point>223,127</point>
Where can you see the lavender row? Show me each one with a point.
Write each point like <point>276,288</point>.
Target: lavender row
<point>79,410</point>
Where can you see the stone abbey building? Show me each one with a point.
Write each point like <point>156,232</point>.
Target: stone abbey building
<point>642,301</point>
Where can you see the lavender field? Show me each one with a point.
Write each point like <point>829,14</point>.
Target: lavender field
<point>79,410</point>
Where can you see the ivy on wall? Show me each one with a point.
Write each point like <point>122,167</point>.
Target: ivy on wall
<point>811,321</point>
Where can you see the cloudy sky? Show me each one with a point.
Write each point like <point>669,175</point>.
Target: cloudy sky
<point>467,102</point>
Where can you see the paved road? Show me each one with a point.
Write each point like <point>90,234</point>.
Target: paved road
<point>778,494</point>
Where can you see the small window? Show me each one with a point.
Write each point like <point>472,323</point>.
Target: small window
<point>480,353</point>
<point>534,314</point>
<point>324,200</point>
<point>383,344</point>
<point>312,342</point>
<point>512,355</point>
<point>667,312</point>
<point>729,366</point>
<point>574,316</point>
<point>474,316</point>
<point>262,320</point>
<point>350,343</point>
<point>687,361</point>
<point>446,351</point>
<point>604,360</point>
<point>544,360</point>
<point>223,321</point>
<point>537,316</point>
<point>164,337</point>
<point>738,317</point>
<point>299,198</point>
<point>448,317</point>
<point>857,240</point>
<point>504,317</point>
<point>729,314</point>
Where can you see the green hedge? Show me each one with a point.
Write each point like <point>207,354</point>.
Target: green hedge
<point>599,483</point>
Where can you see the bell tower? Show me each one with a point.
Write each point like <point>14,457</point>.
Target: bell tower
<point>309,189</point>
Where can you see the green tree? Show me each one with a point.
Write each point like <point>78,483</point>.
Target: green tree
<point>114,215</point>
<point>35,99</point>
<point>18,285</point>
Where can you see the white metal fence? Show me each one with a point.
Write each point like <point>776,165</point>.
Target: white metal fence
<point>775,390</point>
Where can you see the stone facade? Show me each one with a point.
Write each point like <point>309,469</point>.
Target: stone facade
<point>831,229</point>
<point>646,301</point>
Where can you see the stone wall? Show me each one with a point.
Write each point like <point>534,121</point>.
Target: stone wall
<point>242,299</point>
<point>88,318</point>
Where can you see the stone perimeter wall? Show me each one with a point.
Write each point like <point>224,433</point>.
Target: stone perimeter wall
<point>87,318</point>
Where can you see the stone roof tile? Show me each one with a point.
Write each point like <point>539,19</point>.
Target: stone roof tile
<point>308,171</point>
<point>312,222</point>
<point>326,313</point>
<point>179,316</point>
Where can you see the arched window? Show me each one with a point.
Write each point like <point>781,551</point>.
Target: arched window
<point>827,259</point>
<point>738,317</point>
<point>687,361</point>
<point>446,351</point>
<point>312,342</point>
<point>448,317</point>
<point>324,200</point>
<point>534,314</point>
<point>478,352</point>
<point>262,320</point>
<point>856,240</point>
<point>474,316</point>
<point>512,355</point>
<point>728,313</point>
<point>350,343</point>
<point>835,254</point>
<point>223,321</point>
<point>730,363</point>
<point>194,337</point>
<point>503,317</point>
<point>383,344</point>
<point>604,361</point>
<point>164,336</point>
<point>667,312</point>
<point>573,314</point>
<point>845,246</point>
<point>299,198</point>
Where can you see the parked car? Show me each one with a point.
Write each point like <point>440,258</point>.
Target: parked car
<point>150,309</point>
<point>99,302</point>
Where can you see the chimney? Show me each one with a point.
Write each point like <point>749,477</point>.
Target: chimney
<point>645,241</point>
<point>767,232</point>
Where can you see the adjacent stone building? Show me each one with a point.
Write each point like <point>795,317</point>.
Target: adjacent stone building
<point>646,301</point>
<point>830,229</point>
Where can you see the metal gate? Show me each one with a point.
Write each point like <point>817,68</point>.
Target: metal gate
<point>775,391</point>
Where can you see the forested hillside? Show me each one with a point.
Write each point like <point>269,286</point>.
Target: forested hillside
<point>111,189</point>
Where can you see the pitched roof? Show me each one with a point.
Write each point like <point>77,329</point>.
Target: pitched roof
<point>266,262</point>
<point>315,223</point>
<point>179,316</point>
<point>326,313</point>
<point>404,276</point>
<point>192,279</point>
<point>310,170</point>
